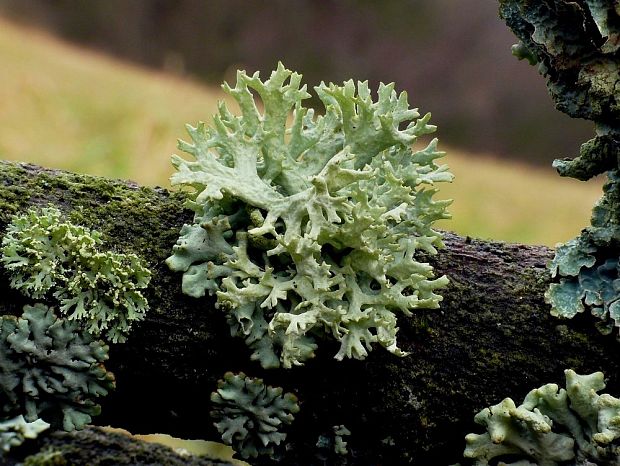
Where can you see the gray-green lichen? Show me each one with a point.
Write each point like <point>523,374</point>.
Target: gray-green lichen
<point>49,257</point>
<point>308,226</point>
<point>250,416</point>
<point>576,44</point>
<point>50,370</point>
<point>13,432</point>
<point>573,427</point>
<point>587,267</point>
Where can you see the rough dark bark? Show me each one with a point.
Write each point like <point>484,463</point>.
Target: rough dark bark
<point>493,337</point>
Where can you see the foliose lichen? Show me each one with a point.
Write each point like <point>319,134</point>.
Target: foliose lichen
<point>250,415</point>
<point>50,369</point>
<point>573,427</point>
<point>13,432</point>
<point>308,226</point>
<point>576,45</point>
<point>49,257</point>
<point>587,266</point>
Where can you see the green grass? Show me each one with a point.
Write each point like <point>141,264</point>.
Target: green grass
<point>63,107</point>
<point>499,199</point>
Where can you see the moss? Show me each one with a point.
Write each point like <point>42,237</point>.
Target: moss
<point>94,447</point>
<point>48,457</point>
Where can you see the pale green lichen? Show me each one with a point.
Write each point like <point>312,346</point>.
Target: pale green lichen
<point>250,415</point>
<point>51,258</point>
<point>572,427</point>
<point>50,370</point>
<point>308,226</point>
<point>13,432</point>
<point>334,441</point>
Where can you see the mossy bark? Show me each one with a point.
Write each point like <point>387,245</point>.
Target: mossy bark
<point>493,337</point>
<point>96,447</point>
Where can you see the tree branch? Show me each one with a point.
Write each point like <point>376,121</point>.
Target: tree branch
<point>493,337</point>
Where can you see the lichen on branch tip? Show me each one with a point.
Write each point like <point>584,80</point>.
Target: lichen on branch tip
<point>309,226</point>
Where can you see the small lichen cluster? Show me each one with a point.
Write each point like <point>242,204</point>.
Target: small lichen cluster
<point>50,370</point>
<point>51,258</point>
<point>587,266</point>
<point>308,226</point>
<point>13,432</point>
<point>334,441</point>
<point>571,427</point>
<point>250,415</point>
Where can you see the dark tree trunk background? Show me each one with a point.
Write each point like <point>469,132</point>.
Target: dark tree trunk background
<point>492,338</point>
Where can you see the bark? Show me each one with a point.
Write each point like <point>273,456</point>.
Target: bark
<point>493,337</point>
<point>96,447</point>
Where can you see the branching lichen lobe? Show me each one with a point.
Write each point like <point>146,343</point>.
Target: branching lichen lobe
<point>311,230</point>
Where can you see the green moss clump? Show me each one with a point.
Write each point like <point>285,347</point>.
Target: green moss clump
<point>48,457</point>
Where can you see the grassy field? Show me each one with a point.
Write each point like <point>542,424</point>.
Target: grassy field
<point>67,108</point>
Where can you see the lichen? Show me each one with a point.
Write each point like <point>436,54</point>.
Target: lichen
<point>573,427</point>
<point>50,370</point>
<point>587,267</point>
<point>311,229</point>
<point>49,257</point>
<point>334,441</point>
<point>576,44</point>
<point>250,415</point>
<point>13,432</point>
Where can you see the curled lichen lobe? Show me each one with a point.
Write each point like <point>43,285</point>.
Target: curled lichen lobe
<point>553,426</point>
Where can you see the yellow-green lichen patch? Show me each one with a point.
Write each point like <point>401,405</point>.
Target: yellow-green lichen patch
<point>48,257</point>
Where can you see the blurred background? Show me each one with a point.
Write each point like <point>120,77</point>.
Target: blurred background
<point>105,87</point>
